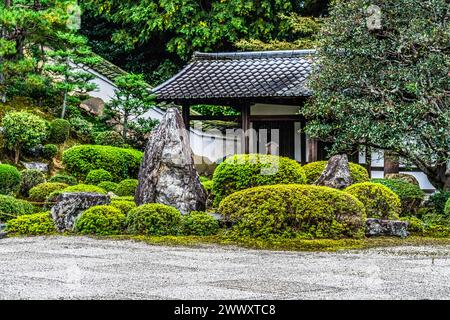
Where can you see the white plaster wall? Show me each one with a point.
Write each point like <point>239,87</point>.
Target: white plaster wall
<point>260,109</point>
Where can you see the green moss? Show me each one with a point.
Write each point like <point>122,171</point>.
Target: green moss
<point>32,224</point>
<point>154,219</point>
<point>101,220</point>
<point>313,170</point>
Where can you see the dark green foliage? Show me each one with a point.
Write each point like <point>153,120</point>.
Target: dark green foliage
<point>59,130</point>
<point>9,179</point>
<point>32,224</point>
<point>313,170</point>
<point>447,208</point>
<point>292,210</point>
<point>154,219</point>
<point>127,187</point>
<point>123,205</point>
<point>108,186</point>
<point>430,224</point>
<point>379,201</point>
<point>121,163</point>
<point>40,192</point>
<point>245,171</point>
<point>411,196</point>
<point>64,178</point>
<point>98,175</point>
<point>81,128</point>
<point>109,138</point>
<point>438,200</point>
<point>50,151</point>
<point>30,179</point>
<point>11,207</point>
<point>101,220</point>
<point>199,224</point>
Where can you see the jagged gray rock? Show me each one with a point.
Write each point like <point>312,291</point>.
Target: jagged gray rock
<point>70,205</point>
<point>379,227</point>
<point>167,174</point>
<point>336,174</point>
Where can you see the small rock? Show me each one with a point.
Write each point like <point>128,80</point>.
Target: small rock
<point>43,167</point>
<point>379,227</point>
<point>94,106</point>
<point>336,174</point>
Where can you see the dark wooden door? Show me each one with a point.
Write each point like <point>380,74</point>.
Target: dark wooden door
<point>281,133</point>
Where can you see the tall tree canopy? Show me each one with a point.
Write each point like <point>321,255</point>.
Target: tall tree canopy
<point>382,81</point>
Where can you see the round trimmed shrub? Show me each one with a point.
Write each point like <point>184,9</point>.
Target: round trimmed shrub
<point>64,178</point>
<point>123,205</point>
<point>411,196</point>
<point>379,201</point>
<point>40,192</point>
<point>11,207</point>
<point>76,188</point>
<point>29,179</point>
<point>109,138</point>
<point>289,210</point>
<point>9,179</point>
<point>198,223</point>
<point>154,219</point>
<point>50,151</point>
<point>108,186</point>
<point>97,176</point>
<point>101,220</point>
<point>127,187</point>
<point>313,171</point>
<point>59,130</point>
<point>250,170</point>
<point>121,163</point>
<point>32,224</point>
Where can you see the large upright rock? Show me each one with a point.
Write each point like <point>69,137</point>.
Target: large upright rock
<point>167,174</point>
<point>336,174</point>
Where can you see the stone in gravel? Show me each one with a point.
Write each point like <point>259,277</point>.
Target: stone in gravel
<point>70,205</point>
<point>379,227</point>
<point>336,174</point>
<point>167,174</point>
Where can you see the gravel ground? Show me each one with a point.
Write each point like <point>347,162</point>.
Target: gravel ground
<point>85,268</point>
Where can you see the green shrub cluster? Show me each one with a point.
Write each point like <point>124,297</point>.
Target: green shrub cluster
<point>123,205</point>
<point>29,179</point>
<point>108,186</point>
<point>154,219</point>
<point>245,171</point>
<point>430,224</point>
<point>76,188</point>
<point>11,207</point>
<point>98,175</point>
<point>379,201</point>
<point>198,223</point>
<point>313,171</point>
<point>438,200</point>
<point>101,220</point>
<point>289,210</point>
<point>32,224</point>
<point>50,151</point>
<point>109,138</point>
<point>64,178</point>
<point>447,208</point>
<point>411,196</point>
<point>40,192</point>
<point>81,128</point>
<point>127,187</point>
<point>121,163</point>
<point>59,130</point>
<point>9,179</point>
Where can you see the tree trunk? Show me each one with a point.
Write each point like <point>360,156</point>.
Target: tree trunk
<point>391,163</point>
<point>64,107</point>
<point>125,126</point>
<point>16,154</point>
<point>8,3</point>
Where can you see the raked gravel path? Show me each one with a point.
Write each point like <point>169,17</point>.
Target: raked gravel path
<point>85,268</point>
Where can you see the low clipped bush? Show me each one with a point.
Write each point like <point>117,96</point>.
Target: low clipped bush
<point>379,201</point>
<point>101,220</point>
<point>313,171</point>
<point>290,210</point>
<point>109,138</point>
<point>81,128</point>
<point>108,186</point>
<point>246,171</point>
<point>127,187</point>
<point>97,176</point>
<point>438,200</point>
<point>123,205</point>
<point>40,192</point>
<point>121,163</point>
<point>208,186</point>
<point>64,178</point>
<point>198,223</point>
<point>50,151</point>
<point>126,198</point>
<point>154,219</point>
<point>411,196</point>
<point>32,224</point>
<point>76,188</point>
<point>9,179</point>
<point>29,179</point>
<point>59,130</point>
<point>11,208</point>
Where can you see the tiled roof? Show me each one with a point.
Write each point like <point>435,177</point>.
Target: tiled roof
<point>241,75</point>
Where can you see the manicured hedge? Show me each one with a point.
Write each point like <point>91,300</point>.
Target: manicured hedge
<point>198,223</point>
<point>121,163</point>
<point>11,207</point>
<point>64,178</point>
<point>108,186</point>
<point>30,179</point>
<point>50,151</point>
<point>379,201</point>
<point>127,187</point>
<point>289,210</point>
<point>101,220</point>
<point>98,175</point>
<point>313,170</point>
<point>123,205</point>
<point>154,219</point>
<point>109,138</point>
<point>59,130</point>
<point>76,188</point>
<point>9,179</point>
<point>246,171</point>
<point>40,192</point>
<point>32,224</point>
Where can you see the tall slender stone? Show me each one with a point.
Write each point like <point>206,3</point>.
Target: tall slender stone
<point>336,174</point>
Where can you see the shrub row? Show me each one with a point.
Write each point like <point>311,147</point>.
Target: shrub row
<point>313,170</point>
